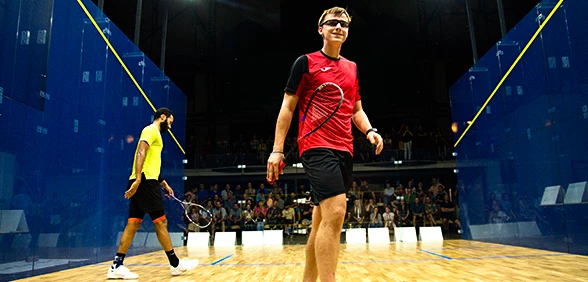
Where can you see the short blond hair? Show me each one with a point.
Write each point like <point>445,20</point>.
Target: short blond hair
<point>337,11</point>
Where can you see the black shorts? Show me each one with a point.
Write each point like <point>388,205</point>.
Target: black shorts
<point>329,172</point>
<point>147,200</point>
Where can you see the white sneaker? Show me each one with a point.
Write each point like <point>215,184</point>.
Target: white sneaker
<point>185,265</point>
<point>121,272</point>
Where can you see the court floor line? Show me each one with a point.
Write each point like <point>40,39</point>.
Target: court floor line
<point>515,257</point>
<point>151,264</point>
<point>436,254</point>
<point>365,262</point>
<point>472,248</point>
<point>177,253</point>
<point>222,259</point>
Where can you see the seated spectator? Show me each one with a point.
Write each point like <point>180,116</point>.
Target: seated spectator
<point>418,212</point>
<point>280,201</point>
<point>202,194</point>
<point>238,194</point>
<point>235,216</point>
<point>209,207</point>
<point>263,189</point>
<point>219,215</point>
<point>291,202</point>
<point>430,211</point>
<point>440,197</point>
<point>230,201</point>
<point>357,219</point>
<point>307,216</point>
<point>506,206</point>
<point>194,216</point>
<point>369,207</point>
<point>388,194</point>
<point>224,194</point>
<point>388,217</point>
<point>274,216</point>
<point>403,214</point>
<point>409,196</point>
<point>214,191</point>
<point>249,192</point>
<point>288,216</point>
<point>260,215</point>
<point>497,215</point>
<point>248,223</point>
<point>260,198</point>
<point>448,213</point>
<point>189,197</point>
<point>376,219</point>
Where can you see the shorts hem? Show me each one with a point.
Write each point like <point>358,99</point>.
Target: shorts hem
<point>327,196</point>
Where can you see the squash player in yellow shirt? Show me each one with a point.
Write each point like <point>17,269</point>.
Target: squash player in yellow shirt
<point>146,198</point>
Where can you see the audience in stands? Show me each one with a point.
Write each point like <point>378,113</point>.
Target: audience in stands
<point>404,144</point>
<point>368,206</point>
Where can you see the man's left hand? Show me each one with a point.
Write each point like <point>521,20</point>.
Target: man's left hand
<point>376,139</point>
<point>170,191</point>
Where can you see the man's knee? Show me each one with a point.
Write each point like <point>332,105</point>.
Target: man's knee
<point>134,224</point>
<point>333,214</point>
<point>161,226</point>
<point>160,223</point>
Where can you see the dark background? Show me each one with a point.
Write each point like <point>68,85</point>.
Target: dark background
<point>232,58</point>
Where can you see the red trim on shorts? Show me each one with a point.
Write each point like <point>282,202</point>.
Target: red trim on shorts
<point>134,219</point>
<point>159,219</point>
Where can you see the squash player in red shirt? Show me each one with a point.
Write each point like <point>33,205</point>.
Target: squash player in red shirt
<point>327,153</point>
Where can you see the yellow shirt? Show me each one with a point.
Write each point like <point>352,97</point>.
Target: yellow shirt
<point>152,164</point>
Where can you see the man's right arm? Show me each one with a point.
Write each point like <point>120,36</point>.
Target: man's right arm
<point>140,159</point>
<point>294,86</point>
<point>284,120</point>
<point>282,125</point>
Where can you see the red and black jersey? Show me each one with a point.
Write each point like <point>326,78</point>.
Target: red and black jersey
<point>308,72</point>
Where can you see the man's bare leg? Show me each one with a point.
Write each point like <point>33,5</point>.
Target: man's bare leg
<point>163,235</point>
<point>127,237</point>
<point>310,268</point>
<point>328,238</point>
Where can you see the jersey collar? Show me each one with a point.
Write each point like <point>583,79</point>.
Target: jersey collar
<point>329,57</point>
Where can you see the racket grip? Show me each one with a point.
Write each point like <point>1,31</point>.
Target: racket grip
<point>281,167</point>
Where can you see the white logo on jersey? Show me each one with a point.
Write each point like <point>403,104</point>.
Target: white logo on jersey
<point>326,69</point>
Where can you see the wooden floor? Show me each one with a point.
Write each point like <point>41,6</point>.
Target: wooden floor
<point>451,260</point>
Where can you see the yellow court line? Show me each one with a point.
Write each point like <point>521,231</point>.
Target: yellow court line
<point>124,66</point>
<point>510,69</point>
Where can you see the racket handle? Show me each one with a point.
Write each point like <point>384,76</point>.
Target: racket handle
<point>281,167</point>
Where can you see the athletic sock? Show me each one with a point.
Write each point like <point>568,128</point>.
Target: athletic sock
<point>173,259</point>
<point>118,260</point>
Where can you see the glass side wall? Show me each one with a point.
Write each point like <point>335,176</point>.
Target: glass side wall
<point>523,165</point>
<point>70,119</point>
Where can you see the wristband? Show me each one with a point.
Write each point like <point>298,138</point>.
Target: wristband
<point>277,152</point>
<point>370,130</point>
